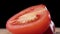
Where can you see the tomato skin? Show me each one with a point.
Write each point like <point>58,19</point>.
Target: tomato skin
<point>37,27</point>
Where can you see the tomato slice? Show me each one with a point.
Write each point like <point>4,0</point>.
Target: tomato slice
<point>33,20</point>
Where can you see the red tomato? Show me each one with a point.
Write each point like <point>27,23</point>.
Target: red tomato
<point>33,20</point>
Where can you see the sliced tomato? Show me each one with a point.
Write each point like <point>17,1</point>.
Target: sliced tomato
<point>33,20</point>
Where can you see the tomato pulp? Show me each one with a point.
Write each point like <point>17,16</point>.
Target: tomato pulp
<point>33,20</point>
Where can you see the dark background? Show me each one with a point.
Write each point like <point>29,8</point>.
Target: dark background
<point>9,8</point>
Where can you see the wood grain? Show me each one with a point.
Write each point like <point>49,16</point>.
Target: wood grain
<point>5,31</point>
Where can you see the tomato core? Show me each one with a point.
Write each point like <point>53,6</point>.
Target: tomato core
<point>27,18</point>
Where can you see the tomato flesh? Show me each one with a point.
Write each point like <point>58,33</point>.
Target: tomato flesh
<point>33,20</point>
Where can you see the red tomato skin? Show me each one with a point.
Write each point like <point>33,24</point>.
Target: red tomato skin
<point>37,27</point>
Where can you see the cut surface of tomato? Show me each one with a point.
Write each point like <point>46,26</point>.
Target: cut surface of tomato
<point>33,20</point>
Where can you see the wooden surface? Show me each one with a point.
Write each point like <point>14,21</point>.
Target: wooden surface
<point>4,31</point>
<point>57,30</point>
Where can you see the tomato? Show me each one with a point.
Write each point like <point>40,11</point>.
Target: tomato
<point>32,20</point>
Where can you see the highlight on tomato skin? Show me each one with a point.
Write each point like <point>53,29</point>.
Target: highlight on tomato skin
<point>32,20</point>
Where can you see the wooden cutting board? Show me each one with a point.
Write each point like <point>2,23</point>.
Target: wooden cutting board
<point>4,31</point>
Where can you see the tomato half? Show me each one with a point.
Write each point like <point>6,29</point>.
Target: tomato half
<point>32,20</point>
